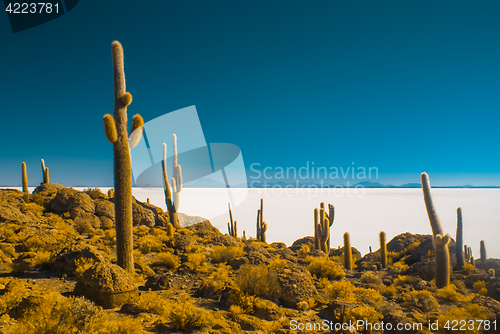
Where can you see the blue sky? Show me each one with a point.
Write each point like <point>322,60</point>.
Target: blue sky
<point>404,86</point>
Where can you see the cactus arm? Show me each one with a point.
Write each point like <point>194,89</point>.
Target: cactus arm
<point>46,175</point>
<point>442,260</point>
<point>263,232</point>
<point>258,224</point>
<point>459,240</point>
<point>179,178</point>
<point>235,229</point>
<point>110,128</point>
<point>25,178</point>
<point>429,204</point>
<point>135,134</point>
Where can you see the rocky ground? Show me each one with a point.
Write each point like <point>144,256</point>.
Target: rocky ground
<point>58,275</point>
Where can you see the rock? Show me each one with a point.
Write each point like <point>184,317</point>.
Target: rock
<point>297,244</point>
<point>296,285</point>
<point>278,245</point>
<point>48,190</point>
<point>65,261</point>
<point>158,282</point>
<point>106,223</point>
<point>104,208</point>
<point>206,230</point>
<point>131,309</point>
<point>141,215</point>
<point>107,284</point>
<point>69,200</point>
<point>10,213</point>
<point>26,303</point>
<point>265,309</point>
<point>257,254</point>
<point>160,218</point>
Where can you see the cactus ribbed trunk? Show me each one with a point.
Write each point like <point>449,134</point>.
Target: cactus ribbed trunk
<point>483,252</point>
<point>460,240</point>
<point>429,204</point>
<point>25,178</point>
<point>347,252</point>
<point>442,260</point>
<point>172,212</point>
<point>383,250</point>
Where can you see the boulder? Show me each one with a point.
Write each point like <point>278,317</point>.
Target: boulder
<point>65,262</point>
<point>296,285</point>
<point>142,215</point>
<point>107,284</point>
<point>297,244</point>
<point>72,201</point>
<point>104,208</point>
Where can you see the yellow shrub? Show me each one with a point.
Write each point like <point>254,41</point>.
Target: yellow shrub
<point>150,302</point>
<point>304,249</point>
<point>402,280</point>
<point>390,290</point>
<point>95,193</point>
<point>365,313</point>
<point>221,254</point>
<point>343,290</point>
<point>149,243</point>
<point>456,317</point>
<point>277,263</point>
<point>399,267</point>
<point>423,300</point>
<point>468,269</point>
<point>368,296</point>
<point>82,264</point>
<point>324,267</point>
<point>186,317</point>
<point>480,287</point>
<point>168,259</point>
<point>450,293</point>
<point>33,208</point>
<point>110,235</point>
<point>370,277</point>
<point>217,279</point>
<point>257,280</point>
<point>195,260</point>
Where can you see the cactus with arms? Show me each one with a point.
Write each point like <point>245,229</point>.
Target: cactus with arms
<point>261,224</point>
<point>45,172</point>
<point>116,132</point>
<point>319,218</point>
<point>232,226</point>
<point>460,240</point>
<point>172,212</point>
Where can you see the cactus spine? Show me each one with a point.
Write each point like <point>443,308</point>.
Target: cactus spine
<point>232,226</point>
<point>483,252</point>
<point>442,260</point>
<point>25,178</point>
<point>261,224</point>
<point>383,250</point>
<point>319,218</point>
<point>460,240</point>
<point>115,128</point>
<point>172,212</point>
<point>45,172</point>
<point>429,204</point>
<point>347,252</point>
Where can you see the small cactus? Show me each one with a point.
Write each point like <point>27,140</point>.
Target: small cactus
<point>370,249</point>
<point>25,178</point>
<point>170,230</point>
<point>347,252</point>
<point>459,240</point>
<point>232,226</point>
<point>483,252</point>
<point>383,250</point>
<point>321,232</point>
<point>261,224</point>
<point>45,172</point>
<point>429,205</point>
<point>442,260</point>
<point>147,201</point>
<point>115,128</point>
<point>111,193</point>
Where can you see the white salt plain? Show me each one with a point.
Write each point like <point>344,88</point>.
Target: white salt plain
<point>362,212</point>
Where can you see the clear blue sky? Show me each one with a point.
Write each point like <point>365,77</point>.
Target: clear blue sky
<point>405,86</point>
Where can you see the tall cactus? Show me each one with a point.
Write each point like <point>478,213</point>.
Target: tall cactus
<point>25,178</point>
<point>429,205</point>
<point>172,212</point>
<point>177,177</point>
<point>442,260</point>
<point>116,132</point>
<point>347,252</point>
<point>383,250</point>
<point>45,172</point>
<point>261,224</point>
<point>459,240</point>
<point>483,252</point>
<point>319,218</point>
<point>232,226</point>
<point>322,233</point>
